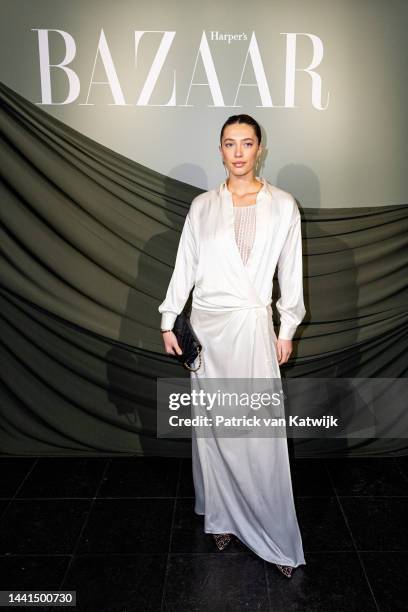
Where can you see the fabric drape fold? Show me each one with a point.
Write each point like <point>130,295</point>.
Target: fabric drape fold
<point>88,246</point>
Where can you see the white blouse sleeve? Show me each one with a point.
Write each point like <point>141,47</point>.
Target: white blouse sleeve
<point>183,277</point>
<point>290,305</point>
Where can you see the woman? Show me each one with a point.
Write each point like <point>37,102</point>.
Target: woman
<point>233,238</point>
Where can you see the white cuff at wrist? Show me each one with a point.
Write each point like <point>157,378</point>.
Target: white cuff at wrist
<point>286,332</point>
<point>167,320</point>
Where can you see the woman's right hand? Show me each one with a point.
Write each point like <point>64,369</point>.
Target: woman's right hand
<point>170,343</point>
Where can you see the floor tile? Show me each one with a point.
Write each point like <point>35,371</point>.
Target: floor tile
<point>310,478</point>
<point>23,572</point>
<point>114,550</point>
<point>42,526</point>
<point>63,477</point>
<point>377,523</point>
<point>402,463</point>
<point>141,477</point>
<point>128,526</point>
<point>12,473</point>
<point>199,583</point>
<point>186,486</point>
<point>117,583</point>
<point>367,477</point>
<point>3,505</point>
<point>387,574</point>
<point>328,582</point>
<point>322,524</point>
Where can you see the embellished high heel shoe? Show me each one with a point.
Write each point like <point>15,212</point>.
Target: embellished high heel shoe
<point>286,570</point>
<point>222,540</point>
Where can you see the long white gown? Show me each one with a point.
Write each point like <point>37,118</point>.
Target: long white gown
<point>243,484</point>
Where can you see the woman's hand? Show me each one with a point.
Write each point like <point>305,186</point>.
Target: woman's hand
<point>170,343</point>
<point>283,350</point>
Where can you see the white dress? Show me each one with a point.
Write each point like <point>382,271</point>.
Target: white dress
<point>229,254</point>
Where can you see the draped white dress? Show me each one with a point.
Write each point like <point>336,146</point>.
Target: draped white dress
<point>229,254</point>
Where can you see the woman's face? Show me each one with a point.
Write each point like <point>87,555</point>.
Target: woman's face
<point>239,149</point>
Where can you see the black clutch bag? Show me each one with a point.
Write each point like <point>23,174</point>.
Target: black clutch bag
<point>188,342</point>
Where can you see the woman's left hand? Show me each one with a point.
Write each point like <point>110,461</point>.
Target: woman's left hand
<point>283,350</point>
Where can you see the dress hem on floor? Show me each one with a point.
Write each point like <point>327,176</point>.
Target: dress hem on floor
<point>274,561</point>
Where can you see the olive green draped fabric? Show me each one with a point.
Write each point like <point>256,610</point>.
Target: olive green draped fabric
<point>88,243</point>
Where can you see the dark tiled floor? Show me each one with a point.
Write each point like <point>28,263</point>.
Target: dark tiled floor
<point>123,534</point>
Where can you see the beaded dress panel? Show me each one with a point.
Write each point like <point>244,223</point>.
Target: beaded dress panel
<point>245,226</point>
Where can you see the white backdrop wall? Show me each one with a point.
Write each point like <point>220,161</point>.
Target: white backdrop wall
<point>155,80</point>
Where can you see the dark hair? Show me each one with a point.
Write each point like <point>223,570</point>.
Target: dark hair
<point>242,119</point>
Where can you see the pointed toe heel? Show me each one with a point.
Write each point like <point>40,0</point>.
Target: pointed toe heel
<point>222,540</point>
<point>286,570</point>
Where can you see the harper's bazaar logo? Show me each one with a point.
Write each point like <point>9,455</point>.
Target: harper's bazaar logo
<point>159,66</point>
<point>229,38</point>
